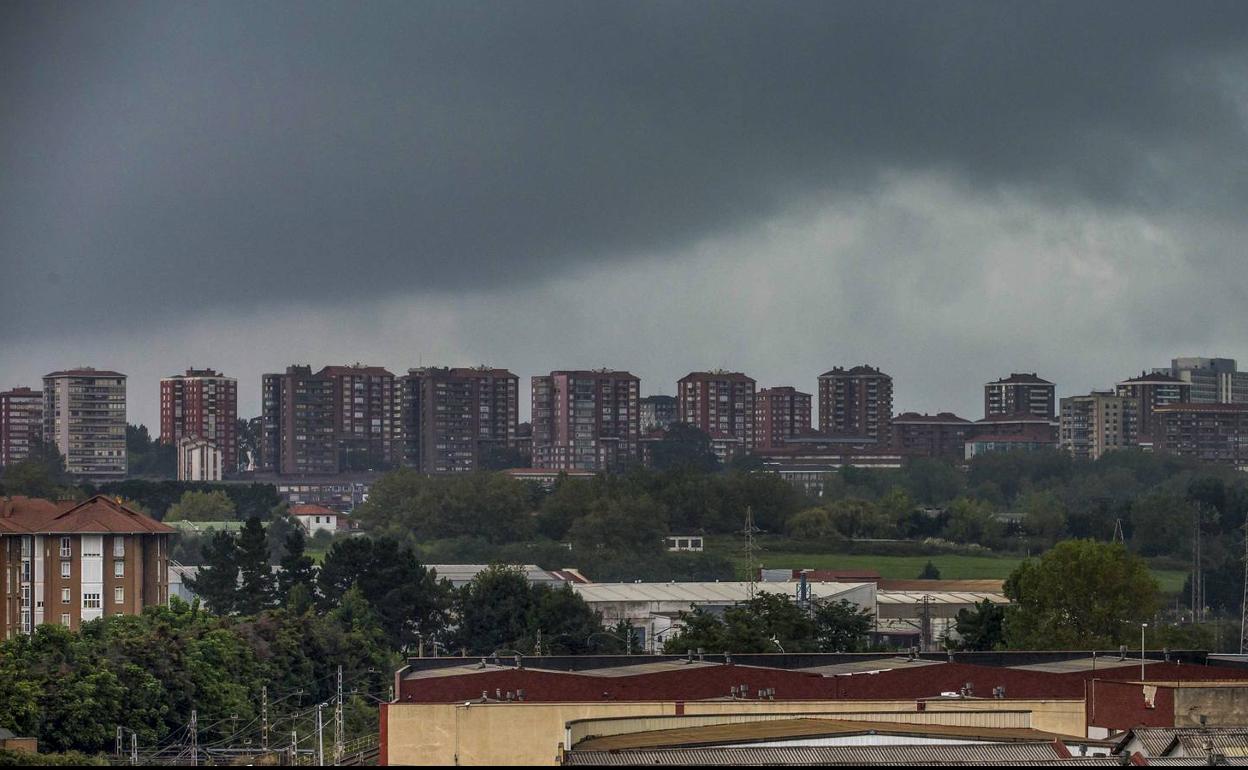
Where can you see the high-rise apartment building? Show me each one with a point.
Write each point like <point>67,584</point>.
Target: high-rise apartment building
<point>450,418</point>
<point>1150,391</point>
<point>1212,380</point>
<point>722,404</point>
<point>1215,433</point>
<point>657,412</point>
<point>201,404</point>
<point>84,416</point>
<point>70,562</point>
<point>931,435</point>
<point>21,423</point>
<point>585,420</point>
<point>1091,425</point>
<point>779,414</point>
<point>342,418</point>
<point>1020,393</point>
<point>856,402</point>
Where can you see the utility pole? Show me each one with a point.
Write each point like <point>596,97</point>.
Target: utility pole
<point>194,738</point>
<point>264,718</point>
<point>294,747</point>
<point>750,549</point>
<point>1243,611</point>
<point>117,751</point>
<point>339,744</point>
<point>134,749</point>
<point>1118,537</point>
<point>320,736</point>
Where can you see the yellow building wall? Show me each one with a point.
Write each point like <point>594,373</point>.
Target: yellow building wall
<point>530,733</point>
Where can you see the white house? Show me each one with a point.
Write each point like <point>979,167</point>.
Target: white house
<point>315,518</point>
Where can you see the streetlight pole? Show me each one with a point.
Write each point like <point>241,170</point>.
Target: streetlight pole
<point>1142,627</point>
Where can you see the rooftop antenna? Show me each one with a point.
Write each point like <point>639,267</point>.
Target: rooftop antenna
<point>1118,538</point>
<point>751,548</point>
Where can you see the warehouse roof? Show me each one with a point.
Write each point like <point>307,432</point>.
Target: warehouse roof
<point>708,593</point>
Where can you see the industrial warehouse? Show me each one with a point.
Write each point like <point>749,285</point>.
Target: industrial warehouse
<point>820,709</point>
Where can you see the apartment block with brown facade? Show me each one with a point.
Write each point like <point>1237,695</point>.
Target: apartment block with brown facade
<point>71,562</point>
<point>1020,393</point>
<point>722,405</point>
<point>342,418</point>
<point>586,419</point>
<point>780,413</point>
<point>931,435</point>
<point>201,404</point>
<point>856,402</point>
<point>451,418</point>
<point>21,423</point>
<point>1215,433</point>
<point>1150,391</point>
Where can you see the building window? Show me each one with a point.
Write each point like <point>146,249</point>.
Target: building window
<point>66,549</point>
<point>66,596</point>
<point>65,569</point>
<point>119,568</point>
<point>91,601</point>
<point>119,595</point>
<point>65,619</point>
<point>119,546</point>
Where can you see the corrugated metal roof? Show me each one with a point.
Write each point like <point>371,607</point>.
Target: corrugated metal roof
<point>805,727</point>
<point>867,666</point>
<point>939,597</point>
<point>708,593</point>
<point>820,755</point>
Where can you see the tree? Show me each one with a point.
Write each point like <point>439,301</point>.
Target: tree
<point>410,603</point>
<point>500,610</point>
<point>202,506</point>
<point>981,628</point>
<point>973,522</point>
<point>842,626</point>
<point>255,592</point>
<point>41,474</point>
<point>146,457</point>
<point>684,447</point>
<point>1081,594</point>
<point>217,580</point>
<point>296,569</point>
<point>629,524</point>
<point>930,572</point>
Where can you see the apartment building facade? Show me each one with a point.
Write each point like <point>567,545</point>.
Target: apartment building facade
<point>657,413</point>
<point>451,418</point>
<point>722,405</point>
<point>341,418</point>
<point>201,404</point>
<point>68,563</point>
<point>1020,393</point>
<point>856,402</point>
<point>84,416</point>
<point>21,423</point>
<point>585,419</point>
<point>1215,433</point>
<point>1211,380</point>
<point>779,414</point>
<point>1100,422</point>
<point>1150,391</point>
<point>931,435</point>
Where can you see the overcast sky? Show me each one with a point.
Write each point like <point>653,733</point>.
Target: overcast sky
<point>951,191</point>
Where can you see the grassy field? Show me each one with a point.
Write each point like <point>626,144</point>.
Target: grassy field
<point>951,566</point>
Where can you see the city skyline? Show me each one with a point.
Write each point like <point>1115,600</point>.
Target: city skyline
<point>743,189</point>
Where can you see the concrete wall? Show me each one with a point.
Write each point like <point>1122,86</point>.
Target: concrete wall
<point>530,733</point>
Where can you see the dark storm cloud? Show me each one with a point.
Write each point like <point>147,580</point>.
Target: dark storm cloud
<point>184,157</point>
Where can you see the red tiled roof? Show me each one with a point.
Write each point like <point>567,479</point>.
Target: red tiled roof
<point>99,514</point>
<point>732,376</point>
<point>309,509</point>
<point>1156,378</point>
<point>942,417</point>
<point>335,371</point>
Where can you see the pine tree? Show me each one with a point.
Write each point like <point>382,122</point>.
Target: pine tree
<point>297,569</point>
<point>255,591</point>
<point>217,580</point>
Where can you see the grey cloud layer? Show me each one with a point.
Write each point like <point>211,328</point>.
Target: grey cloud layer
<point>186,158</point>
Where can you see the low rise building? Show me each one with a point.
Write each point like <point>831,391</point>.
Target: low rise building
<point>931,435</point>
<point>200,460</point>
<point>316,518</point>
